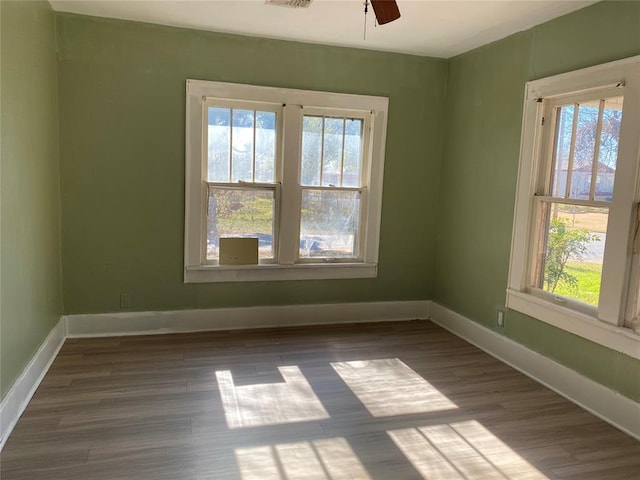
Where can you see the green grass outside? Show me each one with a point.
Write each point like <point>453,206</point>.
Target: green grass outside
<point>589,276</point>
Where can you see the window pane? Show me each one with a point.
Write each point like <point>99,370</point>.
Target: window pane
<point>563,146</point>
<point>218,148</point>
<point>236,212</point>
<point>332,154</point>
<point>608,153</point>
<point>585,142</point>
<point>352,153</point>
<point>572,251</point>
<point>242,151</point>
<point>311,150</point>
<point>574,154</point>
<point>265,147</point>
<point>330,223</point>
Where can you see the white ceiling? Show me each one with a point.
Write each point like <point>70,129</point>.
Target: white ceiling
<point>430,28</point>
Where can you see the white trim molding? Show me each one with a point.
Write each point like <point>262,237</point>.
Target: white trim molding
<point>603,402</point>
<point>141,323</point>
<point>618,292</point>
<point>620,339</point>
<point>290,107</point>
<point>610,406</point>
<point>18,397</point>
<point>267,272</point>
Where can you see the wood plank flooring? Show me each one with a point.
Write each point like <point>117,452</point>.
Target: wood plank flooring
<point>383,401</point>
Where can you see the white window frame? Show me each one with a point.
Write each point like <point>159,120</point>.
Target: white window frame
<point>609,324</point>
<point>246,186</point>
<point>294,102</point>
<point>366,118</point>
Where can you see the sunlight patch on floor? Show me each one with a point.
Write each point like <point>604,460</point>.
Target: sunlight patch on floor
<point>389,387</point>
<point>269,403</point>
<point>461,451</point>
<point>324,459</point>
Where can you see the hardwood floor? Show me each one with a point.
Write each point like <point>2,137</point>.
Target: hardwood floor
<point>382,401</point>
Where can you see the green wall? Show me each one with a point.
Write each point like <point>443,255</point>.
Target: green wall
<point>450,173</point>
<point>479,169</point>
<point>31,287</point>
<point>122,97</point>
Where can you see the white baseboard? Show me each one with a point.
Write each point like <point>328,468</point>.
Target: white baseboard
<point>615,409</point>
<point>603,402</point>
<point>17,399</point>
<point>137,323</point>
<point>140,323</point>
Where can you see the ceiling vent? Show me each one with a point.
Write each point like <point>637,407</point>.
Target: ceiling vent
<point>289,3</point>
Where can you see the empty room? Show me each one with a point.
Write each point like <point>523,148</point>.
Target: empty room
<point>320,239</point>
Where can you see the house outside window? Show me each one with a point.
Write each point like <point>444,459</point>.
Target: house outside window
<point>574,261</point>
<point>300,171</point>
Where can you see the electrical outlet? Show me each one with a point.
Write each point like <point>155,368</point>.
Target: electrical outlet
<point>125,301</point>
<point>500,314</point>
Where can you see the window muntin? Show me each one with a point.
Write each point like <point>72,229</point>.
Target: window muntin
<point>241,175</point>
<point>619,292</point>
<point>237,162</point>
<point>333,188</point>
<point>572,208</point>
<point>241,142</point>
<point>332,151</point>
<point>584,132</point>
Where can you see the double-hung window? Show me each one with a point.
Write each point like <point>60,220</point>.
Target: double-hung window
<point>241,181</point>
<point>573,258</point>
<point>300,171</point>
<point>332,190</point>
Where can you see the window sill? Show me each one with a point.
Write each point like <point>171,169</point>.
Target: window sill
<point>266,273</point>
<point>617,338</point>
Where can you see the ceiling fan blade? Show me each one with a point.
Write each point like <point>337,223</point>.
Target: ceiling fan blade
<point>386,10</point>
